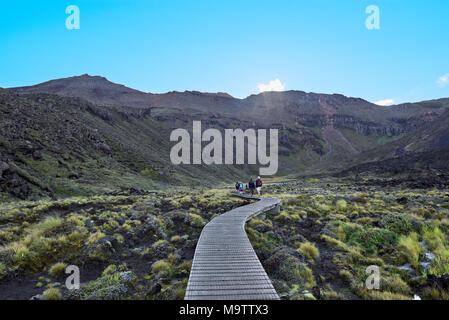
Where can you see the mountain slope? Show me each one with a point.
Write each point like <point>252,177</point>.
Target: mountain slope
<point>309,109</point>
<point>58,146</point>
<point>419,158</point>
<point>318,133</point>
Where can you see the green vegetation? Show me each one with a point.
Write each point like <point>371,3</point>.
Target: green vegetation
<point>40,238</point>
<point>51,294</point>
<point>141,246</point>
<point>404,232</point>
<point>309,250</point>
<point>163,267</point>
<point>57,269</point>
<point>411,249</point>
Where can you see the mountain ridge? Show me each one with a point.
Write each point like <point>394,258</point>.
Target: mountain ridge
<point>318,133</point>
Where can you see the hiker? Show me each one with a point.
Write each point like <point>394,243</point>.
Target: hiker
<point>258,185</point>
<point>252,186</point>
<point>237,186</point>
<point>240,187</point>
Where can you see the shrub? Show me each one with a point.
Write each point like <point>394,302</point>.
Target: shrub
<point>180,292</point>
<point>283,216</point>
<point>369,239</point>
<point>95,237</point>
<point>173,258</point>
<point>309,250</point>
<point>110,287</point>
<point>398,223</point>
<point>409,246</point>
<point>111,269</point>
<point>339,244</point>
<point>439,266</point>
<point>341,204</point>
<point>434,238</point>
<point>382,295</point>
<point>196,221</point>
<point>307,276</point>
<point>20,254</point>
<point>346,274</point>
<point>185,267</point>
<point>159,243</point>
<point>284,266</point>
<point>51,294</point>
<point>48,224</point>
<point>395,284</point>
<point>373,239</point>
<point>434,293</point>
<point>57,269</point>
<point>162,267</point>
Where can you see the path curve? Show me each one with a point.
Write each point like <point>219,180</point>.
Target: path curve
<point>225,265</point>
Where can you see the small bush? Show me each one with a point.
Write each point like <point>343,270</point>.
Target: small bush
<point>309,250</point>
<point>382,295</point>
<point>434,238</point>
<point>111,269</point>
<point>95,237</point>
<point>196,221</point>
<point>395,284</point>
<point>398,223</point>
<point>51,294</point>
<point>439,266</point>
<point>48,224</point>
<point>346,274</point>
<point>369,239</point>
<point>409,246</point>
<point>341,204</point>
<point>160,243</point>
<point>162,267</point>
<point>57,269</point>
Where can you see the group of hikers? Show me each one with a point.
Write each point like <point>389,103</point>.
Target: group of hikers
<point>252,186</point>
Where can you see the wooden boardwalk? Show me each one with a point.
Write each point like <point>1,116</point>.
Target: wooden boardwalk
<point>225,266</point>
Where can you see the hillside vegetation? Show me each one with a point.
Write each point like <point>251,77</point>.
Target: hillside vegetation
<point>86,180</point>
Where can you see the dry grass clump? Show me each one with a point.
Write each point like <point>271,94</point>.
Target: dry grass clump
<point>57,269</point>
<point>51,294</point>
<point>162,267</point>
<point>309,250</point>
<point>410,248</point>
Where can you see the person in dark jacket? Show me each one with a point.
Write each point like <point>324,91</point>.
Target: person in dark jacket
<point>251,186</point>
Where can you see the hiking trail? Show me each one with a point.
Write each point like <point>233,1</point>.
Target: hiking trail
<point>225,265</point>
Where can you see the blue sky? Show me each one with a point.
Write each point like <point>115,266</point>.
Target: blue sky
<point>233,46</point>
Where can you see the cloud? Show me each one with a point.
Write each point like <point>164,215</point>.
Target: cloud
<point>386,102</point>
<point>443,80</point>
<point>274,85</point>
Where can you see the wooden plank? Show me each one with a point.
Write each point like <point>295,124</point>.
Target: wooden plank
<point>225,266</point>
